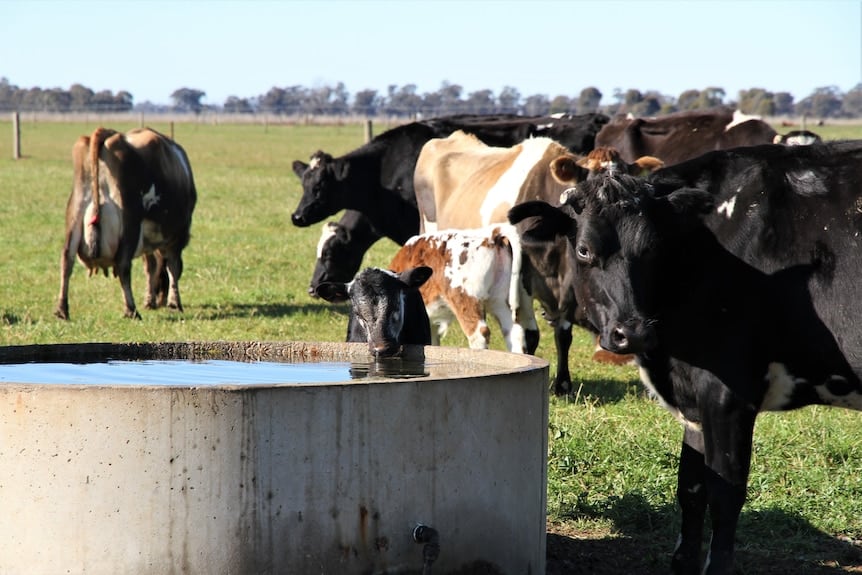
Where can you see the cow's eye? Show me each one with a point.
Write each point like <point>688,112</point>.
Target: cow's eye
<point>584,254</point>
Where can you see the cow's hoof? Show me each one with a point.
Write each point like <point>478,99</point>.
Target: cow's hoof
<point>132,314</point>
<point>562,388</point>
<point>62,314</point>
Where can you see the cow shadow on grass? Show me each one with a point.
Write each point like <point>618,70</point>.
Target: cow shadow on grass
<point>267,310</point>
<point>605,391</point>
<point>768,542</point>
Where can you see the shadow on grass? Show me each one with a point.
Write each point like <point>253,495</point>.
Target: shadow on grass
<point>605,391</point>
<point>767,542</point>
<point>269,310</point>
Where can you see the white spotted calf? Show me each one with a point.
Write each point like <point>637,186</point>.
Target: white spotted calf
<point>474,271</point>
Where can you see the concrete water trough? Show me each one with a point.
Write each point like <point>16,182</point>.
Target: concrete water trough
<point>443,468</point>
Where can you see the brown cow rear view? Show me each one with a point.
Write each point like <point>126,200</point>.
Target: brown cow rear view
<point>133,194</point>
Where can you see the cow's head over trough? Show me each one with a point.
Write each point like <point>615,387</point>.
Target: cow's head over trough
<point>386,308</point>
<point>624,240</point>
<point>323,188</point>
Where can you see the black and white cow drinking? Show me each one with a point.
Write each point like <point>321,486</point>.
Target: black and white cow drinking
<point>386,308</point>
<point>756,311</point>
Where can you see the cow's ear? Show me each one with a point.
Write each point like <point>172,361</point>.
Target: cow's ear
<point>415,277</point>
<point>333,292</point>
<point>540,221</point>
<point>691,201</point>
<point>299,168</point>
<point>566,170</point>
<point>340,169</point>
<point>644,166</point>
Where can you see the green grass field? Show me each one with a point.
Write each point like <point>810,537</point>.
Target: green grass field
<point>612,451</point>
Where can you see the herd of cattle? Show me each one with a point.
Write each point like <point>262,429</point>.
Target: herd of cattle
<point>718,254</point>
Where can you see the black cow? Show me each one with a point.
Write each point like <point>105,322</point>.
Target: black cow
<point>340,249</point>
<point>755,311</point>
<point>133,194</point>
<point>684,135</point>
<point>386,308</point>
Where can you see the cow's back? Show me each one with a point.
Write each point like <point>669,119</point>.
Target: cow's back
<point>684,135</point>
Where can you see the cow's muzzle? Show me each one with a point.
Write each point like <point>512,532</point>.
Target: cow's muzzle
<point>633,336</point>
<point>299,220</point>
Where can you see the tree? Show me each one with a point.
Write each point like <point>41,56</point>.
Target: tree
<point>480,102</point>
<point>561,105</point>
<point>688,100</point>
<point>188,100</point>
<point>851,104</point>
<point>509,100</point>
<point>825,102</point>
<point>81,97</point>
<point>711,97</point>
<point>235,105</point>
<point>537,105</point>
<point>366,102</point>
<point>756,101</point>
<point>589,100</point>
<point>783,104</point>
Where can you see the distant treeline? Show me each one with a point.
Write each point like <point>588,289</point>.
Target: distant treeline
<point>405,101</point>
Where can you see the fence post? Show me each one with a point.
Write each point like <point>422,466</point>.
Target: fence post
<point>16,136</point>
<point>141,121</point>
<point>368,131</point>
<point>172,130</point>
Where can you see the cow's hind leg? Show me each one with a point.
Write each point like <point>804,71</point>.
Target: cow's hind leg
<point>513,333</point>
<point>67,263</point>
<point>123,271</point>
<point>470,314</point>
<point>158,281</point>
<point>174,265</point>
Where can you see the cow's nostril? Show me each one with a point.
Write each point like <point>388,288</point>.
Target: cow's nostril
<point>297,220</point>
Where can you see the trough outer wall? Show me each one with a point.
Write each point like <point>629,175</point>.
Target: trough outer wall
<point>276,479</point>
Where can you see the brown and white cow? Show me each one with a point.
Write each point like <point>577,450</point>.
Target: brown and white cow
<point>475,271</point>
<point>133,194</point>
<point>462,183</point>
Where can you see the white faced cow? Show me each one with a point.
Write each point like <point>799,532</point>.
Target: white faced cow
<point>756,310</point>
<point>133,194</point>
<point>474,271</point>
<point>386,308</point>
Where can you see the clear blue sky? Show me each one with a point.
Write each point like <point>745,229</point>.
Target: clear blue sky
<point>243,48</point>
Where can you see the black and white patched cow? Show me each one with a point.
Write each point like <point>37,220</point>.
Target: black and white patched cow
<point>340,249</point>
<point>133,194</point>
<point>386,308</point>
<point>755,311</point>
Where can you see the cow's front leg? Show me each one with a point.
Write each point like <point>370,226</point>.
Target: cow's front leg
<point>728,435</point>
<point>692,498</point>
<point>563,339</point>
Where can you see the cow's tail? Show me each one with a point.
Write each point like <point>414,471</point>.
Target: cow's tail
<point>511,234</point>
<point>91,225</point>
